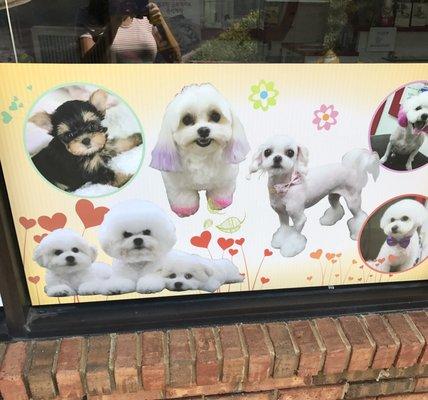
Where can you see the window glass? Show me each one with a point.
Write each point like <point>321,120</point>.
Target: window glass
<point>305,31</point>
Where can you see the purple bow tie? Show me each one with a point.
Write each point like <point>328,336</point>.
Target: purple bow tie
<point>404,243</point>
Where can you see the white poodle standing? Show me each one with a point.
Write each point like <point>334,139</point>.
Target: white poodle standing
<point>200,145</point>
<point>293,188</point>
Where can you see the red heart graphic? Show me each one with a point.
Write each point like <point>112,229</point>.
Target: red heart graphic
<point>361,267</point>
<point>350,278</point>
<point>264,280</point>
<point>354,262</point>
<point>309,278</point>
<point>329,256</point>
<point>338,255</point>
<point>360,279</point>
<point>34,279</point>
<point>381,260</point>
<point>268,253</point>
<point>57,221</point>
<point>89,215</point>
<point>240,242</point>
<point>201,241</point>
<point>370,276</point>
<point>390,275</point>
<point>336,275</point>
<point>233,252</point>
<point>27,223</point>
<point>316,254</point>
<point>38,238</point>
<point>391,258</point>
<point>334,261</point>
<point>225,243</point>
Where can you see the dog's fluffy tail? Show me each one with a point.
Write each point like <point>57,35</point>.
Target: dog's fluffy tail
<point>364,162</point>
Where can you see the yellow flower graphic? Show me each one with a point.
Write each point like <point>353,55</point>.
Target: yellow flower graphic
<point>263,96</point>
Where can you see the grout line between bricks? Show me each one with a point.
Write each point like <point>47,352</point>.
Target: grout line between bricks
<point>29,350</point>
<point>83,361</point>
<point>320,343</point>
<point>139,358</point>
<point>246,357</point>
<point>392,331</point>
<point>369,337</point>
<point>112,359</point>
<point>295,347</point>
<point>270,347</point>
<point>192,347</point>
<point>219,352</point>
<point>55,367</point>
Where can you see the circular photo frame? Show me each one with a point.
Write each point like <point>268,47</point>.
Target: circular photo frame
<point>84,140</point>
<point>399,128</point>
<point>394,238</point>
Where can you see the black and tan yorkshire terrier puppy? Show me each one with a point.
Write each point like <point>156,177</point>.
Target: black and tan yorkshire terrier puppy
<point>80,149</point>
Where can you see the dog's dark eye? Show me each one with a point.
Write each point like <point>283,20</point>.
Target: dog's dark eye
<point>75,250</point>
<point>127,234</point>
<point>268,152</point>
<point>405,218</point>
<point>289,153</point>
<point>188,276</point>
<point>58,252</point>
<point>418,108</point>
<point>172,276</point>
<point>188,120</point>
<point>215,116</point>
<point>392,219</point>
<point>147,232</point>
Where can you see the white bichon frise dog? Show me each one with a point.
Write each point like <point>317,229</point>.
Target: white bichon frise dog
<point>137,234</point>
<point>182,271</point>
<point>69,260</point>
<point>402,248</point>
<point>413,127</point>
<point>293,188</point>
<point>200,145</point>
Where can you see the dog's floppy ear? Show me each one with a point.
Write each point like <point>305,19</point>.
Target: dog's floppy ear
<point>302,160</point>
<point>256,162</point>
<point>402,118</point>
<point>93,253</point>
<point>42,119</point>
<point>165,155</point>
<point>99,100</point>
<point>38,255</point>
<point>238,147</point>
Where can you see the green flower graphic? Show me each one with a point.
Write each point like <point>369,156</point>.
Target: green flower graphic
<point>263,95</point>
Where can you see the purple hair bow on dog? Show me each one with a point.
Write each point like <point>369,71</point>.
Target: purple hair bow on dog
<point>404,242</point>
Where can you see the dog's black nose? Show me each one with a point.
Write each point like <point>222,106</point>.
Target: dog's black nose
<point>178,285</point>
<point>138,242</point>
<point>70,259</point>
<point>86,141</point>
<point>424,117</point>
<point>277,159</point>
<point>394,229</point>
<point>204,132</point>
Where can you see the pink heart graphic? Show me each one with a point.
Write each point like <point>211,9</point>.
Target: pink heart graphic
<point>27,223</point>
<point>89,215</point>
<point>201,241</point>
<point>57,221</point>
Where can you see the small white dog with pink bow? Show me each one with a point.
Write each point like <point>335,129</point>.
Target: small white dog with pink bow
<point>293,188</point>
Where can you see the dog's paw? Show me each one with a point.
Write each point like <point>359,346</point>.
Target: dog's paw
<point>355,224</point>
<point>183,212</point>
<point>60,291</point>
<point>278,238</point>
<point>150,285</point>
<point>293,245</point>
<point>332,215</point>
<point>89,289</point>
<point>116,286</point>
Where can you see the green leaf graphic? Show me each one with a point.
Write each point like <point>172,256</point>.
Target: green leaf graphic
<point>231,225</point>
<point>208,223</point>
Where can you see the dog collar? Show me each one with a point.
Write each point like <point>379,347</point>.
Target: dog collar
<point>283,188</point>
<point>404,242</point>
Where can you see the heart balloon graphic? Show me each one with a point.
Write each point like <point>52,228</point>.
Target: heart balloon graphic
<point>330,256</point>
<point>264,280</point>
<point>233,252</point>
<point>267,253</point>
<point>34,279</point>
<point>316,254</point>
<point>39,238</point>
<point>201,241</point>
<point>27,223</point>
<point>57,221</point>
<point>89,215</point>
<point>240,242</point>
<point>225,243</point>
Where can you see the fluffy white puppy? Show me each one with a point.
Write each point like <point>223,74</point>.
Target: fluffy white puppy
<point>413,127</point>
<point>137,234</point>
<point>69,260</point>
<point>402,249</point>
<point>200,145</point>
<point>293,188</point>
<point>182,271</point>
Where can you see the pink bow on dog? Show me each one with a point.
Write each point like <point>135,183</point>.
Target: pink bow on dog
<point>283,188</point>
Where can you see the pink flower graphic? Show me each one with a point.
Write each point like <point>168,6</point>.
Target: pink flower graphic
<point>325,117</point>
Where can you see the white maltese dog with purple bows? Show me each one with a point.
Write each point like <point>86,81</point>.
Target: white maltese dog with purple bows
<point>200,145</point>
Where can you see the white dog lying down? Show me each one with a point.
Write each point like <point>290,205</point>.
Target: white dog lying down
<point>181,271</point>
<point>402,248</point>
<point>293,188</point>
<point>200,145</point>
<point>413,127</point>
<point>69,260</point>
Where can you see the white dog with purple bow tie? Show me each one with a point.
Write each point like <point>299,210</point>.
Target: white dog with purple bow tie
<point>402,248</point>
<point>293,188</point>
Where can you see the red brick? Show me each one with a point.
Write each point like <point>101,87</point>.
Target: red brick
<point>126,369</point>
<point>411,340</point>
<point>419,396</point>
<point>194,391</point>
<point>387,343</point>
<point>68,369</point>
<point>420,319</point>
<point>312,350</point>
<point>363,346</point>
<point>40,370</point>
<point>99,378</point>
<point>181,358</point>
<point>12,385</point>
<point>260,352</point>
<point>287,353</point>
<point>208,356</point>
<point>333,392</point>
<point>277,383</point>
<point>421,385</point>
<point>154,361</point>
<point>244,396</point>
<point>235,356</point>
<point>338,349</point>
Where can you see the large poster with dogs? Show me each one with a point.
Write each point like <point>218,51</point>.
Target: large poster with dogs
<point>143,181</point>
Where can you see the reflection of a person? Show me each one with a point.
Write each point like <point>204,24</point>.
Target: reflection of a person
<point>112,36</point>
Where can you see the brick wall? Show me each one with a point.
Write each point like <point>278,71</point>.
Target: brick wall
<point>371,357</point>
